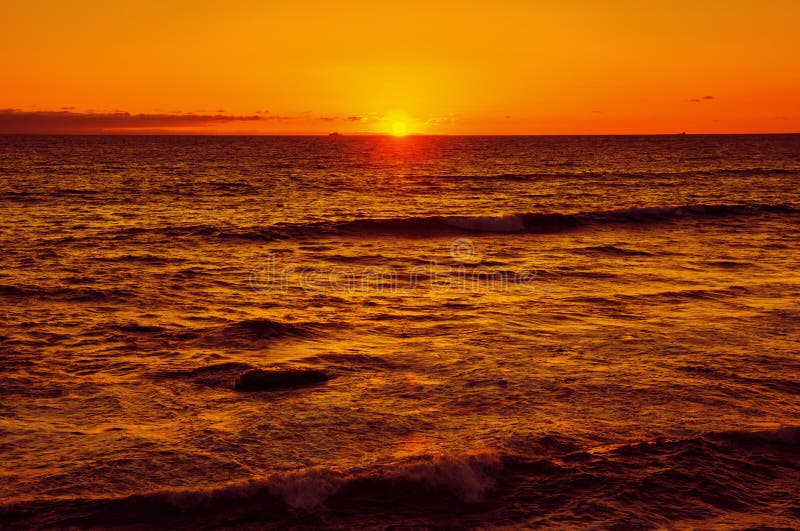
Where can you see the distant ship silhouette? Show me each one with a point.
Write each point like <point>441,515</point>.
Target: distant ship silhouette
<point>335,133</point>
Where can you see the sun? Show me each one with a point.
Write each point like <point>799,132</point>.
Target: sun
<point>399,129</point>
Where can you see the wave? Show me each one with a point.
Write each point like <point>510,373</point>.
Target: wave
<point>143,259</point>
<point>554,482</point>
<point>65,294</point>
<point>570,172</point>
<point>425,226</point>
<point>696,294</point>
<point>136,328</point>
<point>246,334</point>
<point>769,384</point>
<point>613,250</point>
<point>245,377</point>
<point>281,496</point>
<point>220,375</point>
<point>261,328</point>
<point>530,222</point>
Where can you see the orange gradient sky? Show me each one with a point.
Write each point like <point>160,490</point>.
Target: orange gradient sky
<point>505,67</point>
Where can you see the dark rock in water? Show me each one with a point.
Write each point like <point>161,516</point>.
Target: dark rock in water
<point>272,379</point>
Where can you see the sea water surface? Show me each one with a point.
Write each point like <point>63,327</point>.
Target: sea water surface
<point>519,331</point>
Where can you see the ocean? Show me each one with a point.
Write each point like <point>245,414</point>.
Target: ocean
<point>553,332</point>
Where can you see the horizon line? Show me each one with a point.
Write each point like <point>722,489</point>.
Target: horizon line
<point>337,134</point>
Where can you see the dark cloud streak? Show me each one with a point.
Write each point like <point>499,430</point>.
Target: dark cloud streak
<point>43,122</point>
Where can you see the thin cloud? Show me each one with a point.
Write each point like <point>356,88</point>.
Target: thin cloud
<point>19,121</point>
<point>701,100</point>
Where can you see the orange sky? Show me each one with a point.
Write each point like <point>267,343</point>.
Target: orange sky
<point>504,67</point>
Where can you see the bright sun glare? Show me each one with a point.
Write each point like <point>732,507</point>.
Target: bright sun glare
<point>399,129</point>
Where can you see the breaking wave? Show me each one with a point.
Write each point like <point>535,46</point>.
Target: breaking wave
<point>530,222</point>
<point>425,226</point>
<point>669,479</point>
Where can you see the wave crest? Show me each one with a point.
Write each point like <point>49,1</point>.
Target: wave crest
<point>426,226</point>
<point>668,478</point>
<point>528,222</point>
